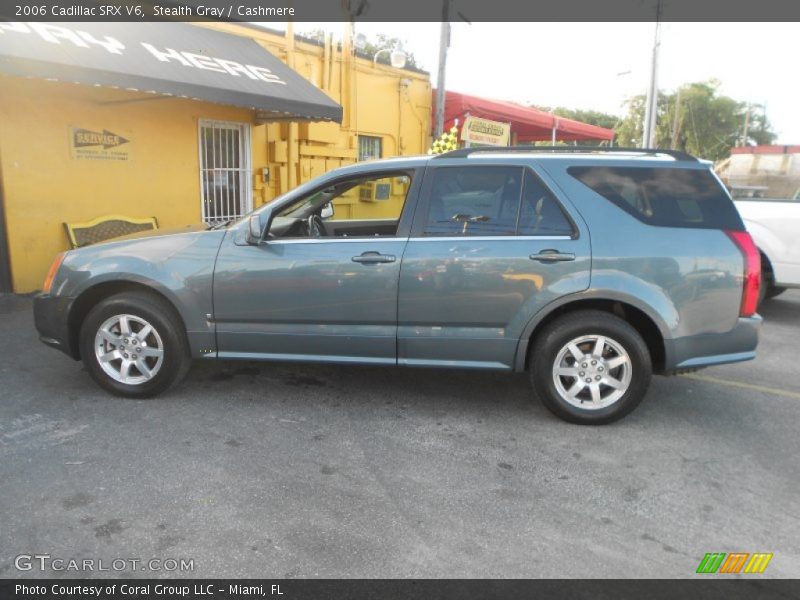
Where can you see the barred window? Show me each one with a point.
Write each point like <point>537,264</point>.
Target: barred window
<point>225,170</point>
<point>369,147</point>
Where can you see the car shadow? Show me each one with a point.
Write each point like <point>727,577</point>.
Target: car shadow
<point>362,386</point>
<point>415,392</point>
<point>784,309</point>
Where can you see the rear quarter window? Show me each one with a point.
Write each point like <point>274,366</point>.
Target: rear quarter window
<point>691,198</point>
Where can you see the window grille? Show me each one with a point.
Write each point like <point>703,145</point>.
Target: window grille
<point>369,147</point>
<point>224,171</point>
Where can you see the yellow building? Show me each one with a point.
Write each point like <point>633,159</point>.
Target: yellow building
<point>108,145</point>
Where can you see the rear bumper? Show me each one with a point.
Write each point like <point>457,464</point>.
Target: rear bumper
<point>51,317</point>
<point>698,351</point>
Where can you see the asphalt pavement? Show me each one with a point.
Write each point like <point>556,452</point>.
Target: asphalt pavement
<point>287,470</point>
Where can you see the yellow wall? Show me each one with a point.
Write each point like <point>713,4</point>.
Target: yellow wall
<point>394,104</point>
<point>44,186</point>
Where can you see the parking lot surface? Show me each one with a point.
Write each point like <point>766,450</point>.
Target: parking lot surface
<point>287,470</point>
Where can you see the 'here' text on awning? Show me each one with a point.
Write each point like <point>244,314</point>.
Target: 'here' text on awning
<point>174,59</point>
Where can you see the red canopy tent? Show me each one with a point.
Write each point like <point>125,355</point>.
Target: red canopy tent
<point>527,124</point>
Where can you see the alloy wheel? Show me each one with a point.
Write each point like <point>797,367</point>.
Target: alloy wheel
<point>129,349</point>
<point>592,372</point>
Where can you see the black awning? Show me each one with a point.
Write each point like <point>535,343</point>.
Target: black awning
<point>175,59</point>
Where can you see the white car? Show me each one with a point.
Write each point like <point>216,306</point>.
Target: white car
<point>774,225</point>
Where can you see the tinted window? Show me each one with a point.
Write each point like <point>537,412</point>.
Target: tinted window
<point>540,213</point>
<point>664,197</point>
<point>492,201</point>
<point>474,201</point>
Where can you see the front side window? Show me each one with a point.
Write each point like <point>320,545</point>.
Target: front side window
<point>540,213</point>
<point>369,205</point>
<point>664,197</point>
<point>492,201</point>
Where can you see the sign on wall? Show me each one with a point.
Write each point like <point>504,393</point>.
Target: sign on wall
<point>98,144</point>
<point>484,131</point>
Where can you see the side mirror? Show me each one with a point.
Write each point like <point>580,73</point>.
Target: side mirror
<point>327,211</point>
<point>254,230</point>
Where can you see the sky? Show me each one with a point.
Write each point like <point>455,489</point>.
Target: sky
<point>598,65</point>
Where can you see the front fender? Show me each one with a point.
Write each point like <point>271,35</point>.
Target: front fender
<point>178,267</point>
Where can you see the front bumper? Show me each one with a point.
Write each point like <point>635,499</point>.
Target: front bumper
<point>698,351</point>
<point>51,317</point>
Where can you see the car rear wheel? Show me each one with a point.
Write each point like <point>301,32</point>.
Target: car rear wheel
<point>774,291</point>
<point>768,289</point>
<point>590,367</point>
<point>133,345</point>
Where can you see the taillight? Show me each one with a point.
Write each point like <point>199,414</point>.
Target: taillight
<point>752,271</point>
<point>51,274</point>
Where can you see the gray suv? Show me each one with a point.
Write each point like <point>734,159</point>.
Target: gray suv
<point>589,268</point>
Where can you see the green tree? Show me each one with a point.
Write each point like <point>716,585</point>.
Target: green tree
<point>696,119</point>
<point>384,41</point>
<point>592,117</point>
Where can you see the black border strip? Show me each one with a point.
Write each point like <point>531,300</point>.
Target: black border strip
<point>708,588</point>
<point>405,11</point>
<point>5,256</point>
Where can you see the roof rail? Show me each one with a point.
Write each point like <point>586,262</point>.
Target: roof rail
<point>464,152</point>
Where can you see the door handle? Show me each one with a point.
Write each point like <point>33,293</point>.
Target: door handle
<point>371,258</point>
<point>550,255</point>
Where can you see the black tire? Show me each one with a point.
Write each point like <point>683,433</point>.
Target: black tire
<point>556,335</point>
<point>766,285</point>
<point>775,290</point>
<point>768,288</point>
<point>164,320</point>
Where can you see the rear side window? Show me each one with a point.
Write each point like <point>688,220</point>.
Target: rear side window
<point>492,201</point>
<point>540,213</point>
<point>690,198</point>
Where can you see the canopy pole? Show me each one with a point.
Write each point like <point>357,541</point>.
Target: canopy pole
<point>292,149</point>
<point>444,43</point>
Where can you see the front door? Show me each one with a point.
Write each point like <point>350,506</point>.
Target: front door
<point>490,246</point>
<point>329,297</point>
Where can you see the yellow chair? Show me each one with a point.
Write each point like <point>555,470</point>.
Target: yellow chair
<point>105,228</point>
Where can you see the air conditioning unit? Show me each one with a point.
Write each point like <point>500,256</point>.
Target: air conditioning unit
<point>374,192</point>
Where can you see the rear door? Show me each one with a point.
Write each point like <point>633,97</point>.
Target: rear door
<point>490,246</point>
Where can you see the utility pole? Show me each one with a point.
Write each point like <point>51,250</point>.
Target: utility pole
<point>444,44</point>
<point>651,106</point>
<point>746,129</point>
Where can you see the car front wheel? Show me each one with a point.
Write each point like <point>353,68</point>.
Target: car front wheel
<point>133,345</point>
<point>590,367</point>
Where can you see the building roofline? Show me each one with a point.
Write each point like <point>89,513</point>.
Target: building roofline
<point>315,42</point>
